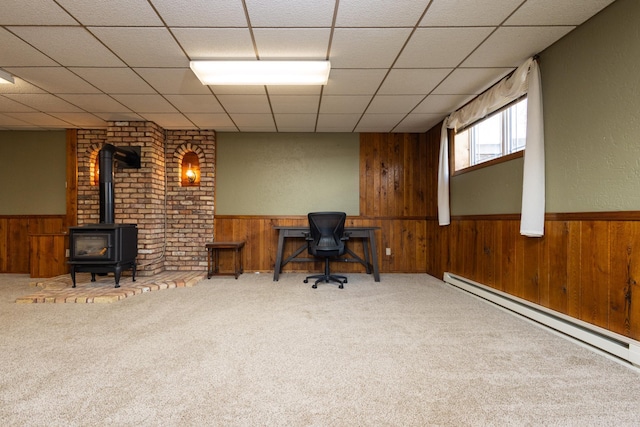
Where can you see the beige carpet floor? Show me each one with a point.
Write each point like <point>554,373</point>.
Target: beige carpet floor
<point>407,351</point>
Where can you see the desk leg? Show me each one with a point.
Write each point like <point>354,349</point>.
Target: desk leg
<point>278,266</point>
<point>365,248</point>
<point>209,263</point>
<point>374,255</point>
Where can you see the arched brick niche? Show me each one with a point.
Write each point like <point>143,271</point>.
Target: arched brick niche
<point>189,157</point>
<point>94,164</point>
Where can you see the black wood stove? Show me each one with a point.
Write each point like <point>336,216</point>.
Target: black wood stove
<point>105,247</point>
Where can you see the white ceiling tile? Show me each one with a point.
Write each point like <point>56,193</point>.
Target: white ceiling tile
<point>114,80</point>
<point>565,12</point>
<point>295,122</point>
<point>9,105</point>
<point>292,43</point>
<point>21,12</point>
<point>412,81</point>
<point>53,79</point>
<point>18,53</point>
<point>294,104</point>
<point>20,86</point>
<point>216,43</point>
<point>440,47</point>
<point>142,47</point>
<point>169,120</point>
<point>466,81</point>
<point>82,120</point>
<point>195,103</point>
<point>354,82</point>
<point>13,122</point>
<point>252,104</point>
<point>218,121</point>
<point>98,103</point>
<point>341,104</point>
<point>254,122</point>
<point>294,90</point>
<point>287,13</point>
<point>366,47</point>
<point>63,44</point>
<point>136,53</point>
<point>112,12</point>
<point>442,104</point>
<point>144,104</point>
<point>418,123</point>
<point>201,13</point>
<point>457,13</point>
<point>41,119</point>
<point>389,104</point>
<point>120,117</point>
<point>379,13</point>
<point>238,90</point>
<point>511,46</point>
<point>173,80</point>
<point>378,122</point>
<point>337,122</point>
<point>44,102</point>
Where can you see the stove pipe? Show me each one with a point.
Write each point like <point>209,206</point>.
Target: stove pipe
<point>107,155</point>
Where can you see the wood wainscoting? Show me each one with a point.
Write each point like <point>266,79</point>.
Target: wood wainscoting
<point>404,236</point>
<point>586,266</point>
<point>15,232</point>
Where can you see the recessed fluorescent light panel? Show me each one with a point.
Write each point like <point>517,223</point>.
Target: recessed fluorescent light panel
<point>6,78</point>
<point>262,72</point>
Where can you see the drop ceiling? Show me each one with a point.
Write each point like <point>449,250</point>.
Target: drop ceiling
<point>397,65</point>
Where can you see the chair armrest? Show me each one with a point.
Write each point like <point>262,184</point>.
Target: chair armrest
<point>345,236</point>
<point>307,236</point>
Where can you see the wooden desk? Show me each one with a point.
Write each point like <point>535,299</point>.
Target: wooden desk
<point>367,235</point>
<point>213,258</point>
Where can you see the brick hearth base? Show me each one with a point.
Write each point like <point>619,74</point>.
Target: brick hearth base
<point>103,290</point>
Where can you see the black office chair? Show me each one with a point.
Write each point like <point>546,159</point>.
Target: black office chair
<point>326,239</point>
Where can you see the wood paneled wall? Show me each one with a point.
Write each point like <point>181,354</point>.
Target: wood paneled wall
<point>405,237</point>
<point>586,266</point>
<point>397,193</point>
<point>14,238</point>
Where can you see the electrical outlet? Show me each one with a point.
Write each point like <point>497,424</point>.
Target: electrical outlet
<point>388,251</point>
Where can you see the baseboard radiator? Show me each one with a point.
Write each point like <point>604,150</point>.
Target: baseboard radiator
<point>619,346</point>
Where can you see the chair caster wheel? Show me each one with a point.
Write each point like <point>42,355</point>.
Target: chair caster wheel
<point>345,280</point>
<point>305,281</point>
<point>341,286</point>
<point>314,286</point>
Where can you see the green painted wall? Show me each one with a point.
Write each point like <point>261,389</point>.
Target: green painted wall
<point>32,173</point>
<point>287,173</point>
<point>486,191</point>
<point>591,96</point>
<point>591,83</point>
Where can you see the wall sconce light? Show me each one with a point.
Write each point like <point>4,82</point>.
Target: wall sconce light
<point>6,78</point>
<point>191,175</point>
<point>190,167</point>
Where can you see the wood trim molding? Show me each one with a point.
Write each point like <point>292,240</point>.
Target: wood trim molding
<point>557,216</point>
<point>304,217</point>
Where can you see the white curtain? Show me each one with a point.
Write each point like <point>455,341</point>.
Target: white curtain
<point>499,95</point>
<point>533,183</point>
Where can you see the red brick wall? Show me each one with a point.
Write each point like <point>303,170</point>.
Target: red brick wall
<point>174,222</point>
<point>189,209</point>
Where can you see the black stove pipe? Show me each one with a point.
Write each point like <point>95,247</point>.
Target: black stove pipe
<point>106,157</point>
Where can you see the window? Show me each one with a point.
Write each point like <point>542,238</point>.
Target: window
<point>501,134</point>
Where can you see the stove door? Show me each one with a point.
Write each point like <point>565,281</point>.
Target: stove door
<point>92,246</point>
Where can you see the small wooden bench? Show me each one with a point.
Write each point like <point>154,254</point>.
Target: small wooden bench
<point>213,258</point>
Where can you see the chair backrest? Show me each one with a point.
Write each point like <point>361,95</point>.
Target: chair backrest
<point>327,229</point>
